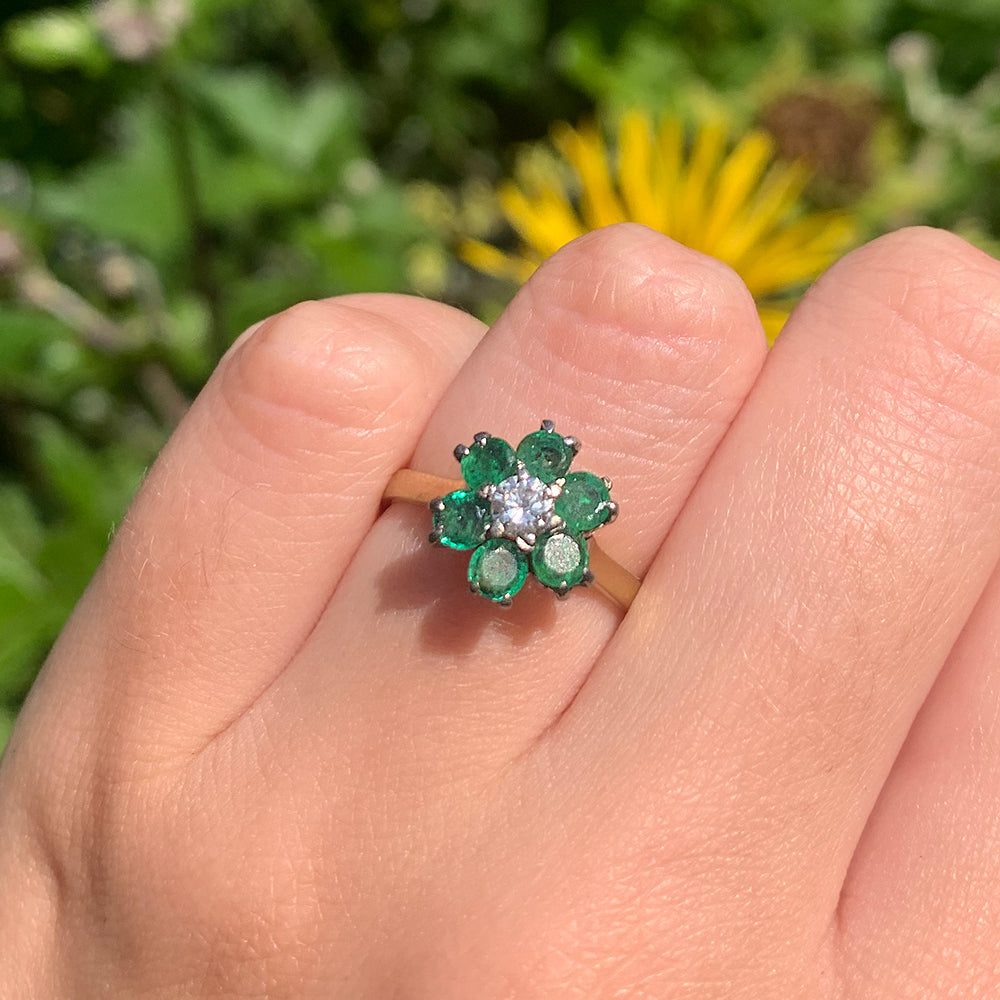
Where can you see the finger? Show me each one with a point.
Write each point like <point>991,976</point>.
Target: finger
<point>249,516</point>
<point>819,574</point>
<point>636,345</point>
<point>918,910</point>
<point>642,349</point>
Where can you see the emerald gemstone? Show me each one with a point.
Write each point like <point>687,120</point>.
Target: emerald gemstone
<point>559,559</point>
<point>545,455</point>
<point>583,503</point>
<point>461,519</point>
<point>498,569</point>
<point>490,460</point>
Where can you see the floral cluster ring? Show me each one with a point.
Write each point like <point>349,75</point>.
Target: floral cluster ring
<point>521,511</point>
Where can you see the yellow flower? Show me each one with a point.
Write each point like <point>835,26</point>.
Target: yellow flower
<point>741,205</point>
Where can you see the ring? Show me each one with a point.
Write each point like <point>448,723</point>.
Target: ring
<point>522,512</point>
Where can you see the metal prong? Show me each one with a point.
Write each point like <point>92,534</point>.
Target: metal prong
<point>572,442</point>
<point>474,587</point>
<point>506,601</point>
<point>562,591</point>
<point>437,504</point>
<point>495,530</point>
<point>547,425</point>
<point>612,509</point>
<point>481,438</point>
<point>588,577</point>
<point>606,481</point>
<point>461,450</point>
<point>525,544</point>
<point>435,536</point>
<point>556,522</point>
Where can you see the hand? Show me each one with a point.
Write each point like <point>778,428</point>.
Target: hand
<point>280,751</point>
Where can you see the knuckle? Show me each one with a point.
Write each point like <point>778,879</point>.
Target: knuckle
<point>645,298</point>
<point>920,310</point>
<point>928,287</point>
<point>322,367</point>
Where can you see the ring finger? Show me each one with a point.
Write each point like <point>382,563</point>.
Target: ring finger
<point>642,349</point>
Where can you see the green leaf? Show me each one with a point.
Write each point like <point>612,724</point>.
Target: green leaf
<point>56,39</point>
<point>25,335</point>
<point>129,194</point>
<point>27,630</point>
<point>234,189</point>
<point>271,120</point>
<point>94,487</point>
<point>6,726</point>
<point>20,538</point>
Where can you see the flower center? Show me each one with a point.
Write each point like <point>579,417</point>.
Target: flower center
<point>521,505</point>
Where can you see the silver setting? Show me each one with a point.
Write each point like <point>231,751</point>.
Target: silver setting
<point>547,425</point>
<point>481,438</point>
<point>437,532</point>
<point>461,451</point>
<point>506,601</point>
<point>572,442</point>
<point>509,515</point>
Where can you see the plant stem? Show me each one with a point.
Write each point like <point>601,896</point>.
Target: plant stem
<point>203,265</point>
<point>41,289</point>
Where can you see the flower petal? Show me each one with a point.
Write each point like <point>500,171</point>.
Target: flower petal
<point>777,195</point>
<point>667,172</point>
<point>545,222</point>
<point>698,186</point>
<point>739,175</point>
<point>585,151</point>
<point>490,260</point>
<point>635,170</point>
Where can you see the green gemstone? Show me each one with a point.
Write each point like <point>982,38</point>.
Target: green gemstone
<point>545,455</point>
<point>583,503</point>
<point>498,569</point>
<point>490,460</point>
<point>560,558</point>
<point>462,523</point>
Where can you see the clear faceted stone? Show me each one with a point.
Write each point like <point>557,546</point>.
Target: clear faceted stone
<point>521,506</point>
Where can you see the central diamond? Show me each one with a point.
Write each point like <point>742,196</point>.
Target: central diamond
<point>521,506</point>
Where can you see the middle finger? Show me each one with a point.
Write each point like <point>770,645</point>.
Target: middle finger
<point>816,580</point>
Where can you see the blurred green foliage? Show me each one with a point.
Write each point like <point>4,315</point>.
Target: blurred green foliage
<point>173,170</point>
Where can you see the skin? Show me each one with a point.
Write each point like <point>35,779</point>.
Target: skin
<point>280,751</point>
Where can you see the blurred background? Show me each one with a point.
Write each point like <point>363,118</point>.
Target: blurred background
<point>173,170</point>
